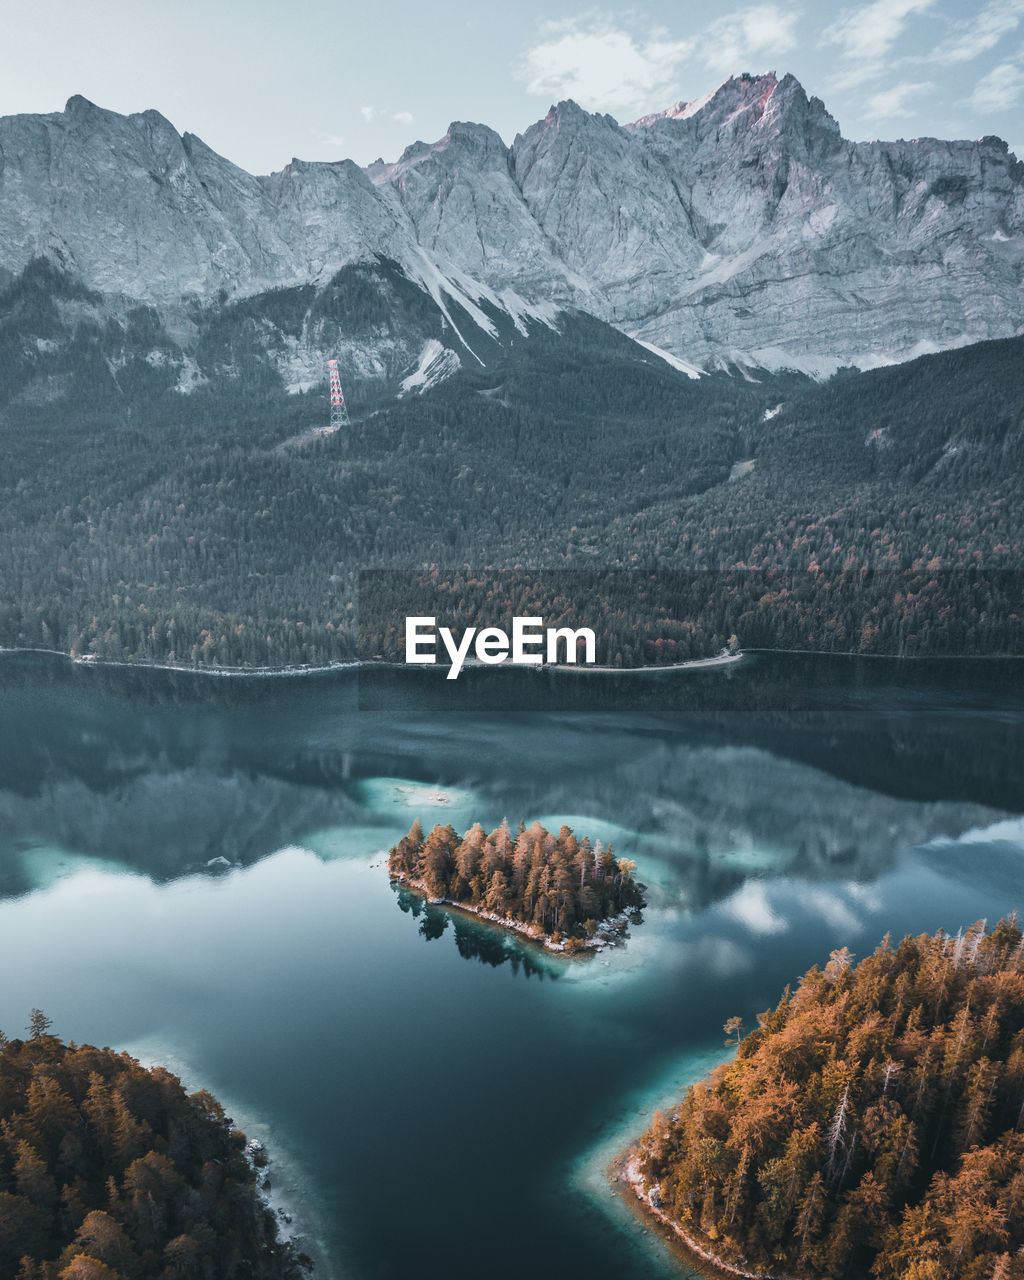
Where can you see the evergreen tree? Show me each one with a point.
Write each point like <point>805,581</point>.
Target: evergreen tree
<point>533,878</point>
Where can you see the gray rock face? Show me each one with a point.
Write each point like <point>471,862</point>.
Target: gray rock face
<point>465,207</point>
<point>740,228</point>
<point>133,208</point>
<point>834,251</point>
<point>745,227</point>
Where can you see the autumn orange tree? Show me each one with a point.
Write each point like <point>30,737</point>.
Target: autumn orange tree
<point>870,1125</point>
<point>110,1171</point>
<point>560,886</point>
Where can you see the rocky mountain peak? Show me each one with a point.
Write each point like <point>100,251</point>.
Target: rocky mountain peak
<point>78,107</point>
<point>566,135</point>
<point>569,116</point>
<point>745,111</point>
<point>465,144</point>
<point>746,92</point>
<point>103,127</point>
<point>477,139</point>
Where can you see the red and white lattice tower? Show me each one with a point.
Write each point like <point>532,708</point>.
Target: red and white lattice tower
<point>339,414</point>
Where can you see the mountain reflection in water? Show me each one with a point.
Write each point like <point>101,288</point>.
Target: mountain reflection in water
<point>194,869</point>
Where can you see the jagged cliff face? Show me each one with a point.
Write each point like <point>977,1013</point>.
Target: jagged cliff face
<point>849,252</point>
<point>131,207</point>
<point>741,228</point>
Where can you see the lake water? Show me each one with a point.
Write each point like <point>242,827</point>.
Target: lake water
<point>191,868</point>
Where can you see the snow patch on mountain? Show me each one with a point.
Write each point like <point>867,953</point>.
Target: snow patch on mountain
<point>437,285</point>
<point>779,359</point>
<point>436,363</point>
<point>190,377</point>
<point>520,311</point>
<point>690,370</point>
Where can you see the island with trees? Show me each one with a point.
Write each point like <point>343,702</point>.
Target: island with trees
<point>870,1126</point>
<point>567,894</point>
<point>110,1171</point>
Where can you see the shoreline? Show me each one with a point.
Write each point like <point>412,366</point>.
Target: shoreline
<point>719,660</point>
<point>88,660</point>
<point>299,1217</point>
<point>183,668</point>
<point>623,1179</point>
<point>692,664</point>
<point>606,935</point>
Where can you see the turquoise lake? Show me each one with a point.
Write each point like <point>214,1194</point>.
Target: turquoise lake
<point>193,868</point>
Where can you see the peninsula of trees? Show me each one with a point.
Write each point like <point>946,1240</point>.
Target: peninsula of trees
<point>109,1171</point>
<point>559,890</point>
<point>869,1127</point>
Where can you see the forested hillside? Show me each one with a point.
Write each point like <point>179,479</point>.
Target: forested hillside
<point>870,1124</point>
<point>137,522</point>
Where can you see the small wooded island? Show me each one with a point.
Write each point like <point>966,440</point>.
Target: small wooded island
<point>562,892</point>
<point>869,1127</point>
<point>110,1171</point>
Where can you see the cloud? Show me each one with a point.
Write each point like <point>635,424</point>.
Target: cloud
<point>892,103</point>
<point>865,894</point>
<point>870,31</point>
<point>333,140</point>
<point>830,908</point>
<point>730,43</point>
<point>602,66</point>
<point>751,907</point>
<point>1000,89</point>
<point>866,37</point>
<point>969,39</point>
<point>859,73</point>
<point>370,114</point>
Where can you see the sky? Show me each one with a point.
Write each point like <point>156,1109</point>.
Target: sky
<point>267,81</point>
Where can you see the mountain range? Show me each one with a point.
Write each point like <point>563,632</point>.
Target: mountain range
<point>737,231</point>
<point>653,348</point>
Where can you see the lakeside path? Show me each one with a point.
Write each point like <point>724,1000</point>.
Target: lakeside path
<point>693,664</point>
<point>720,660</point>
<point>88,660</point>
